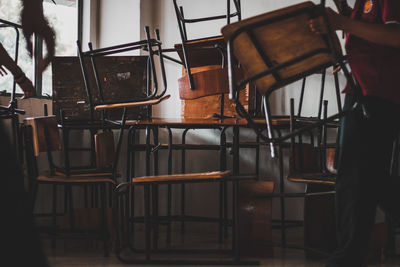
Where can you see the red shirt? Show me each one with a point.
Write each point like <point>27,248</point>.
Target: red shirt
<point>376,67</point>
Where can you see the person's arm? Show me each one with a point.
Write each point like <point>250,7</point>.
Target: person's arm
<point>384,34</point>
<point>19,76</point>
<point>34,22</point>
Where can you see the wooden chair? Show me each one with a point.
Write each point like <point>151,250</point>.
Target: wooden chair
<point>41,135</point>
<point>204,51</point>
<point>313,163</point>
<point>278,48</point>
<point>128,252</point>
<point>150,94</point>
<point>204,72</point>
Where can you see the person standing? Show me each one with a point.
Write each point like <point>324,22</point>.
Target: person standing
<point>363,180</point>
<point>18,233</point>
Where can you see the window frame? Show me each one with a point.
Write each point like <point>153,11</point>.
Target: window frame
<point>38,53</point>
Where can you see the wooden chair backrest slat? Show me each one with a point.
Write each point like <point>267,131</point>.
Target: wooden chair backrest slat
<point>45,134</point>
<point>307,159</point>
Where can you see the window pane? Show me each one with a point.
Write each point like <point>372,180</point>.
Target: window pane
<point>10,11</point>
<point>63,17</point>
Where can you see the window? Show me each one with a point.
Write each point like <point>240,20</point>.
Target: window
<point>62,16</point>
<point>9,11</point>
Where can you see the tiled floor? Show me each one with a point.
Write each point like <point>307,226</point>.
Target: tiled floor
<point>86,253</point>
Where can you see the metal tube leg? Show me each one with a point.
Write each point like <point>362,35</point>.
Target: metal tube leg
<point>222,185</point>
<point>282,198</point>
<point>147,220</point>
<point>169,194</point>
<point>104,219</point>
<point>155,214</point>
<point>183,170</point>
<point>236,161</point>
<point>54,214</point>
<point>155,192</point>
<point>235,239</point>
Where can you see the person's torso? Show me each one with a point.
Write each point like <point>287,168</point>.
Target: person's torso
<point>376,67</point>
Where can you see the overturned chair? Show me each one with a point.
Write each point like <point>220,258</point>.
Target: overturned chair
<point>276,49</point>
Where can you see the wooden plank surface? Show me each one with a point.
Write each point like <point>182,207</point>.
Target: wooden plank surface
<point>183,177</point>
<point>280,41</point>
<point>185,122</point>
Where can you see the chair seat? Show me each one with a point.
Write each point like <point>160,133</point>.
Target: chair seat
<point>74,179</point>
<point>313,178</point>
<point>132,104</point>
<point>189,177</point>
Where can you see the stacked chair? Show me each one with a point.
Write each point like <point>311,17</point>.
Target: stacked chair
<point>124,200</point>
<point>276,49</point>
<point>204,89</point>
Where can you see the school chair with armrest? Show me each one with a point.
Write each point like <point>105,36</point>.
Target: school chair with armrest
<point>41,136</point>
<point>150,94</point>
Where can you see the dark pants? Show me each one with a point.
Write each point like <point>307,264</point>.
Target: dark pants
<point>364,179</point>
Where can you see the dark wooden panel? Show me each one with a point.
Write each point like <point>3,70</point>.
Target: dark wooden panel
<point>254,218</point>
<point>122,78</point>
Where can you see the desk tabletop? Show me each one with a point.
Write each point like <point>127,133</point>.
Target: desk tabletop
<point>189,121</point>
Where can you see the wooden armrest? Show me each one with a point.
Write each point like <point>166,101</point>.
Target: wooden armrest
<point>183,177</point>
<point>75,179</point>
<point>132,104</point>
<point>313,178</point>
<point>86,174</point>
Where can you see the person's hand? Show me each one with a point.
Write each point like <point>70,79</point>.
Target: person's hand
<point>34,22</point>
<point>6,62</point>
<point>318,26</point>
<point>26,86</point>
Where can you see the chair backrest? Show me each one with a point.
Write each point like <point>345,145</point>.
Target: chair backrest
<point>45,134</point>
<point>308,157</point>
<point>40,135</point>
<point>182,21</point>
<point>278,48</point>
<point>209,80</point>
<point>206,51</point>
<point>149,45</point>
